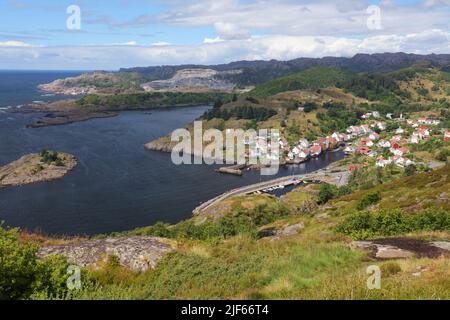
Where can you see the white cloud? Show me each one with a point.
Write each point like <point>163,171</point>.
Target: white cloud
<point>309,18</point>
<point>160,44</point>
<point>15,44</point>
<point>212,51</point>
<point>432,3</point>
<point>230,31</point>
<point>213,40</point>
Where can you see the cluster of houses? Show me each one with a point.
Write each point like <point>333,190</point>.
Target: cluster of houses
<point>369,144</point>
<point>371,141</point>
<point>305,150</point>
<point>396,144</point>
<point>422,130</point>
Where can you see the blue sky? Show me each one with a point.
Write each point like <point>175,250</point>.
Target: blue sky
<point>124,33</point>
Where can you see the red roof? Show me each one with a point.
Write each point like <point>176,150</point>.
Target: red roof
<point>316,149</point>
<point>364,150</point>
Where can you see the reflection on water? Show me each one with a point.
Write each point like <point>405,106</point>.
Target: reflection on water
<point>117,185</point>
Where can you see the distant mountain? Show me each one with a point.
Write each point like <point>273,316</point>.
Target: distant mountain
<point>257,72</point>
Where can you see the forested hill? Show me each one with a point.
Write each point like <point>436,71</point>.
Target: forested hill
<point>257,72</point>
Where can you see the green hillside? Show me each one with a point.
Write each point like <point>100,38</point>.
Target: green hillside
<point>313,78</point>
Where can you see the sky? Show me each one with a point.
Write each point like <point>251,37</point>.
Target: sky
<point>113,34</point>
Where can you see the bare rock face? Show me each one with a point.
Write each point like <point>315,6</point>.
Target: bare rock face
<point>285,231</point>
<point>193,79</point>
<point>136,253</point>
<point>401,248</point>
<point>443,245</point>
<point>383,251</point>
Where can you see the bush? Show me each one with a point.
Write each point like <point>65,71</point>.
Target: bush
<point>17,266</point>
<point>368,200</point>
<point>443,155</point>
<point>48,157</point>
<point>23,275</point>
<point>326,193</point>
<point>51,277</point>
<point>365,225</point>
<point>240,221</point>
<point>410,170</point>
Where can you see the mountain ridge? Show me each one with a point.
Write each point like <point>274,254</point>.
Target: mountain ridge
<point>259,71</point>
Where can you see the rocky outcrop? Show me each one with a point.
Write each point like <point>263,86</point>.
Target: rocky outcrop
<point>194,80</point>
<point>161,145</point>
<point>401,248</point>
<point>279,233</point>
<point>90,83</point>
<point>31,169</point>
<point>136,253</point>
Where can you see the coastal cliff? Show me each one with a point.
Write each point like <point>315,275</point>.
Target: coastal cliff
<point>33,168</point>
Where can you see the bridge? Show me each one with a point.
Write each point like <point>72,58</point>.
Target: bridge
<point>321,176</point>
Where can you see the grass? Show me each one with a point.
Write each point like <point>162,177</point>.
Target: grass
<point>412,194</point>
<point>432,284</point>
<point>238,269</point>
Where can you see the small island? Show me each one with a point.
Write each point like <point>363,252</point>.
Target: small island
<point>37,167</point>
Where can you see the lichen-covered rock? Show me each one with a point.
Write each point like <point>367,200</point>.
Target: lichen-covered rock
<point>136,253</point>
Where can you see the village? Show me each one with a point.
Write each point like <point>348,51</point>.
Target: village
<point>372,139</point>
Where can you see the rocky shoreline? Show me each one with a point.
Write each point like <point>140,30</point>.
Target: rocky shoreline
<point>161,145</point>
<point>62,118</point>
<point>32,168</point>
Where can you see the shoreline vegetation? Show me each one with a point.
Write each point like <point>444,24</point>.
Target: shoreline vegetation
<point>34,168</point>
<point>102,106</point>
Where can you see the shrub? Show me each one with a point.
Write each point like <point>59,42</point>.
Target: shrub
<point>343,191</point>
<point>365,225</point>
<point>17,266</point>
<point>240,221</point>
<point>443,155</point>
<point>326,193</point>
<point>23,275</point>
<point>410,170</point>
<point>368,200</point>
<point>51,277</point>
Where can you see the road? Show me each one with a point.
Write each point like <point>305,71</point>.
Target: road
<point>337,178</point>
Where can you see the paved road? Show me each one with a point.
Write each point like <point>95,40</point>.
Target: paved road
<point>321,176</point>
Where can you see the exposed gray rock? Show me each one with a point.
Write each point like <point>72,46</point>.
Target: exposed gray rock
<point>191,79</point>
<point>419,271</point>
<point>293,229</point>
<point>136,253</point>
<point>391,252</point>
<point>383,251</point>
<point>285,231</point>
<point>444,245</point>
